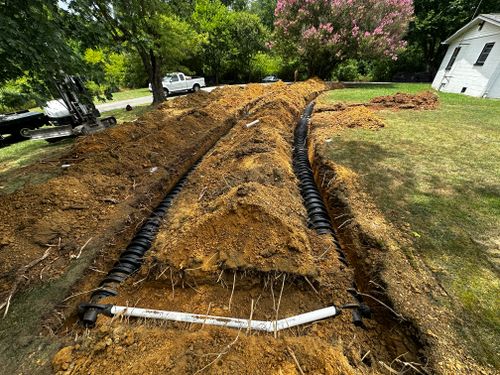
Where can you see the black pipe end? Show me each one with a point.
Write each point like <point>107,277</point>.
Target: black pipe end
<point>89,318</point>
<point>89,312</point>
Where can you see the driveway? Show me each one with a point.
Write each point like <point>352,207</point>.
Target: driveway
<point>138,101</point>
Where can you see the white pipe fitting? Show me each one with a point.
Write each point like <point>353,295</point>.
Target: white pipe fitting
<point>257,325</point>
<point>250,124</point>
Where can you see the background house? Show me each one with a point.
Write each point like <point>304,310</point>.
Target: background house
<point>472,63</point>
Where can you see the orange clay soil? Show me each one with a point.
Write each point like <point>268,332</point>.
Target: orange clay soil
<point>241,208</point>
<point>236,243</point>
<point>423,100</point>
<point>112,176</point>
<point>347,117</point>
<point>78,222</point>
<point>383,270</point>
<point>420,101</point>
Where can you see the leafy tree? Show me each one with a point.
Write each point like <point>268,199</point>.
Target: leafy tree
<point>211,19</point>
<point>264,64</point>
<point>33,42</point>
<point>326,32</point>
<point>237,5</point>
<point>247,38</point>
<point>160,38</point>
<point>265,10</point>
<point>230,39</point>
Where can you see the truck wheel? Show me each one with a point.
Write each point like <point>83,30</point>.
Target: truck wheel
<point>166,92</point>
<point>196,88</point>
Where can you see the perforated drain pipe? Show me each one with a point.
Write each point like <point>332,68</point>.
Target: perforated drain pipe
<point>132,257</point>
<point>318,216</point>
<point>257,325</point>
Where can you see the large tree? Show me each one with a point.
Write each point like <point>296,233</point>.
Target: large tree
<point>230,38</point>
<point>160,38</point>
<point>265,10</point>
<point>325,32</point>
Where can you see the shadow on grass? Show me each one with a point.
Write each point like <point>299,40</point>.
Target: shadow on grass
<point>445,215</point>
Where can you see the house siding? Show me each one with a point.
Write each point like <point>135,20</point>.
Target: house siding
<point>478,80</point>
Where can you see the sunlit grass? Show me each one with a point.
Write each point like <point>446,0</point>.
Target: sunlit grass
<point>439,171</point>
<point>129,94</point>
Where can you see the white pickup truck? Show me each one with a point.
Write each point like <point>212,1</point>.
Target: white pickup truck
<point>178,82</point>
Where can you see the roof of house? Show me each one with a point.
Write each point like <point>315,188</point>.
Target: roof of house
<point>493,18</point>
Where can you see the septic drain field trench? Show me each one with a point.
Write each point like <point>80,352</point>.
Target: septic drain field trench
<point>248,236</point>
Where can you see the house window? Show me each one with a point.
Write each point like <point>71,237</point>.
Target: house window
<point>480,26</point>
<point>453,58</point>
<point>484,54</point>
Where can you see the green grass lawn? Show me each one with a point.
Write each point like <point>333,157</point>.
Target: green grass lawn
<point>129,94</point>
<point>122,115</point>
<point>439,171</point>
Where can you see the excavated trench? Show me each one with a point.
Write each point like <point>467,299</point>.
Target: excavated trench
<point>246,238</point>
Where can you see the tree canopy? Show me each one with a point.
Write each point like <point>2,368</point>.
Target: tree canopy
<point>117,43</point>
<point>324,32</point>
<point>32,38</point>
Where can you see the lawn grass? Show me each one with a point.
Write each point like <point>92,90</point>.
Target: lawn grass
<point>129,94</point>
<point>122,115</point>
<point>439,172</point>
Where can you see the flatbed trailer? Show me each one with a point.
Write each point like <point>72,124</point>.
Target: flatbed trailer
<point>13,123</point>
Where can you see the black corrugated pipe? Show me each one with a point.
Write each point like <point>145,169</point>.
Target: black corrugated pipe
<point>132,257</point>
<point>318,217</point>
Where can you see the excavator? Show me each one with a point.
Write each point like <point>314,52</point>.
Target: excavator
<point>72,115</point>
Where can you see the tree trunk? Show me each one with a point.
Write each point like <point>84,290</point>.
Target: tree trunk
<point>152,66</point>
<point>156,80</point>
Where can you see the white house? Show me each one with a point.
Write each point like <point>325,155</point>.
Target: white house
<point>472,63</point>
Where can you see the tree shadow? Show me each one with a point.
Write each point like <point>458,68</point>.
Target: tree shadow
<point>448,223</point>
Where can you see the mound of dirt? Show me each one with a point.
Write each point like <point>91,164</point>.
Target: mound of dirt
<point>241,208</point>
<point>423,100</point>
<point>236,243</point>
<point>325,122</point>
<point>196,99</point>
<point>88,212</point>
<point>118,349</point>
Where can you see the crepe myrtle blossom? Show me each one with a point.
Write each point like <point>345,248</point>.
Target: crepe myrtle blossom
<point>343,28</point>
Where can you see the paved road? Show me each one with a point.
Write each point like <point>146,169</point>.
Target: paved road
<point>138,101</point>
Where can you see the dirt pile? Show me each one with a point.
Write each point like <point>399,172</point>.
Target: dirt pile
<point>119,349</point>
<point>423,100</point>
<point>347,117</point>
<point>241,208</point>
<point>88,212</point>
<point>109,183</point>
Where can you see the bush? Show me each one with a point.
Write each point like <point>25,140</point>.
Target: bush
<point>17,95</point>
<point>347,71</point>
<point>264,64</point>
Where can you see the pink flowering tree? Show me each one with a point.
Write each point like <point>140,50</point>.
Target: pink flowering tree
<point>325,32</point>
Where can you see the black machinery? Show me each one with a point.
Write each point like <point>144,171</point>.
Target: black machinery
<point>74,114</point>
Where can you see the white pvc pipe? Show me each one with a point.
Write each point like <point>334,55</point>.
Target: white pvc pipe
<point>250,124</point>
<point>257,325</point>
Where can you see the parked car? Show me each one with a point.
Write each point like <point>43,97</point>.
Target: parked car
<point>178,82</point>
<point>271,78</point>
